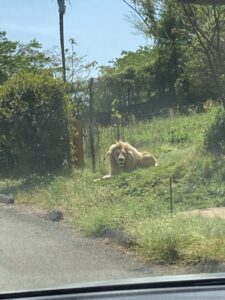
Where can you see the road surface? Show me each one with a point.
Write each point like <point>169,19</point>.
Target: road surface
<point>36,253</point>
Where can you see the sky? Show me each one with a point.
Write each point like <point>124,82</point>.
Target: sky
<point>99,27</point>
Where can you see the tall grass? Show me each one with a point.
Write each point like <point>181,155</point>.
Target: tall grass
<point>186,239</point>
<point>160,135</point>
<point>139,202</point>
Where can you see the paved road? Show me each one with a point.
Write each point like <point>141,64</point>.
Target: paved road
<point>36,253</point>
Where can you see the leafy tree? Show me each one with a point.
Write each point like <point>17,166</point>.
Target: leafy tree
<point>208,26</point>
<point>161,21</point>
<point>138,77</point>
<point>15,57</point>
<point>172,23</point>
<point>33,123</point>
<point>126,80</point>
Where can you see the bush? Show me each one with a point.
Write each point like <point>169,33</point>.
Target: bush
<point>215,135</point>
<point>33,124</point>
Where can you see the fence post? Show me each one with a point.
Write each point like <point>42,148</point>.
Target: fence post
<point>118,137</point>
<point>92,143</point>
<point>171,198</point>
<point>78,143</point>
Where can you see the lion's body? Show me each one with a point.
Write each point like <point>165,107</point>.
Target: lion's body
<point>125,158</point>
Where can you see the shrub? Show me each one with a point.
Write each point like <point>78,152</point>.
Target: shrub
<point>215,135</point>
<point>33,123</point>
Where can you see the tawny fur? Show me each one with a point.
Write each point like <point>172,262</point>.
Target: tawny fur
<point>125,158</point>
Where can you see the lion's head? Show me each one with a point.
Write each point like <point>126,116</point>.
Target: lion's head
<point>123,157</point>
<point>119,154</point>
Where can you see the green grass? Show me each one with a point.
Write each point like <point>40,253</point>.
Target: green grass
<point>181,239</point>
<point>139,202</point>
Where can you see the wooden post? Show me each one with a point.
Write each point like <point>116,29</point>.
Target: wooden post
<point>78,143</point>
<point>118,137</point>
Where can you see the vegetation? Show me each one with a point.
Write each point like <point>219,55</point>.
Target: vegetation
<point>16,57</point>
<point>184,65</point>
<point>215,139</point>
<point>139,202</point>
<point>33,124</point>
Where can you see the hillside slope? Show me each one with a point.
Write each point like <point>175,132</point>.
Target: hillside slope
<point>139,203</point>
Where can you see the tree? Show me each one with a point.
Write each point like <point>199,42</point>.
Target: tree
<point>160,21</point>
<point>34,134</point>
<point>208,26</point>
<point>15,57</point>
<point>62,10</point>
<point>175,24</point>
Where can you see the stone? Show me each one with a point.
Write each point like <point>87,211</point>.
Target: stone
<point>6,199</point>
<point>55,215</point>
<point>118,236</point>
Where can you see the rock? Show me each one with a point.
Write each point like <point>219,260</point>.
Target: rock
<point>118,236</point>
<point>6,199</point>
<point>54,215</point>
<point>210,265</point>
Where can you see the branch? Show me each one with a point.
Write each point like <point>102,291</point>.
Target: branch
<point>134,8</point>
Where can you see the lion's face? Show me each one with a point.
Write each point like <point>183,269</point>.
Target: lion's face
<point>119,153</point>
<point>120,156</point>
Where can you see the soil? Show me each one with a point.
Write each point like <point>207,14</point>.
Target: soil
<point>208,212</point>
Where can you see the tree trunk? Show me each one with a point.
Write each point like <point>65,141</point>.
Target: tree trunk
<point>62,9</point>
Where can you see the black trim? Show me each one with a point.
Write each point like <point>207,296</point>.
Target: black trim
<point>168,282</point>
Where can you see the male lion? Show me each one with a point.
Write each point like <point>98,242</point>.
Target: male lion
<point>124,157</point>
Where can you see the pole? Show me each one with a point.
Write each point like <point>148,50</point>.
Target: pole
<point>62,9</point>
<point>92,144</point>
<point>171,198</point>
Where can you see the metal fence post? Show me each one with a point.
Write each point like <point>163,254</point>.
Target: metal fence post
<point>171,198</point>
<point>92,143</point>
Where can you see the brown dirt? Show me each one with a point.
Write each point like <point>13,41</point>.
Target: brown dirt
<point>208,212</point>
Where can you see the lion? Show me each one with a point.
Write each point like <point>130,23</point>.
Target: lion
<point>125,158</point>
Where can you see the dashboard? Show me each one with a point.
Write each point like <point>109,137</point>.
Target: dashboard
<point>204,286</point>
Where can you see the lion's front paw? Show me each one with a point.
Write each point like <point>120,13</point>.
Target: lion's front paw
<point>107,176</point>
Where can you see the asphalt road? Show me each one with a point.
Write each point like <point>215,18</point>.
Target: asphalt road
<point>36,253</point>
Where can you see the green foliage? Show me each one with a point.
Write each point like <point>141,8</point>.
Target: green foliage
<point>215,136</point>
<point>33,123</point>
<point>16,57</point>
<point>183,65</point>
<point>187,239</point>
<point>139,202</point>
<point>116,115</point>
<point>137,77</point>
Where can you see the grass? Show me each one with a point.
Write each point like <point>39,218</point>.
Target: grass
<point>181,239</point>
<point>139,202</point>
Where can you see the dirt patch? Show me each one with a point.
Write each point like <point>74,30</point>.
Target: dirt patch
<point>211,212</point>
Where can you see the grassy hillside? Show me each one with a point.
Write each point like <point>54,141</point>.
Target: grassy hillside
<point>139,202</point>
